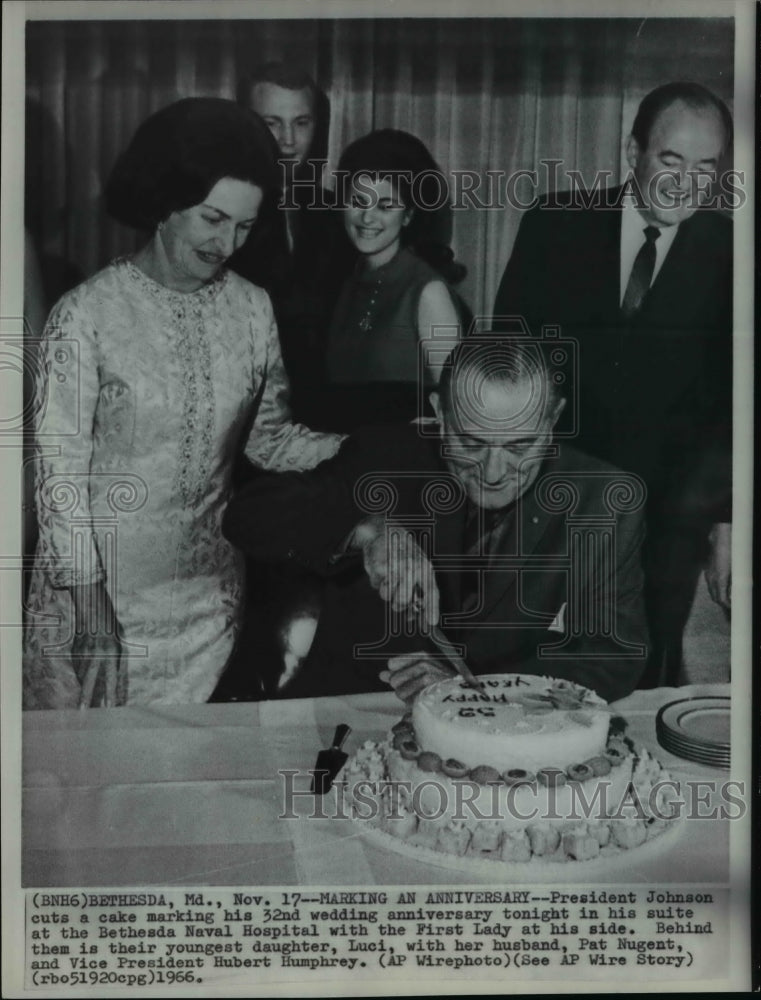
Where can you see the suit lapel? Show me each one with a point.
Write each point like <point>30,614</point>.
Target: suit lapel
<point>671,286</point>
<point>518,545</point>
<point>610,260</point>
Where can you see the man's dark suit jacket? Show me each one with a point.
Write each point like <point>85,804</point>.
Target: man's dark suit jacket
<point>303,282</point>
<point>655,392</point>
<point>307,517</point>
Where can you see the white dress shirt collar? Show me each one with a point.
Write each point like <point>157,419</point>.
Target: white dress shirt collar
<point>633,236</point>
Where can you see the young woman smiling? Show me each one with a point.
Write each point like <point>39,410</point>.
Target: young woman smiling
<point>397,317</point>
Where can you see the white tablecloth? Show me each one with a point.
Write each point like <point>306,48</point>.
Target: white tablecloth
<point>192,796</point>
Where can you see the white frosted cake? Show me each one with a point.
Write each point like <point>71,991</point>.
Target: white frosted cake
<point>525,767</point>
<point>514,722</point>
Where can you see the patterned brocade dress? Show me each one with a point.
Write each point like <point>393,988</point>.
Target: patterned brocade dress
<point>146,396</point>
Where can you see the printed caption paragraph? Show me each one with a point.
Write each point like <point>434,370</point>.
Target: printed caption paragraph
<point>165,938</point>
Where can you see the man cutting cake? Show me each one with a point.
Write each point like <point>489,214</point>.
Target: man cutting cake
<point>524,550</point>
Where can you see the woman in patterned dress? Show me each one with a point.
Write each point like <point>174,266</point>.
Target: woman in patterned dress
<point>155,373</point>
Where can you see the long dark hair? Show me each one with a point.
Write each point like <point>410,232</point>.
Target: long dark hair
<point>421,185</point>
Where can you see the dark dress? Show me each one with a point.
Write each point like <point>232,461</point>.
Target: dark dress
<point>373,359</point>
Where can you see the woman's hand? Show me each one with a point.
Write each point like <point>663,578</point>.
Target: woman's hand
<point>96,649</point>
<point>409,674</point>
<point>718,570</point>
<point>397,567</point>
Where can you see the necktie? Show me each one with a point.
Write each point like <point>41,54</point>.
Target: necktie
<point>642,273</point>
<point>477,542</point>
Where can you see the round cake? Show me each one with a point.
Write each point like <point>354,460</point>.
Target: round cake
<point>523,767</point>
<point>512,722</point>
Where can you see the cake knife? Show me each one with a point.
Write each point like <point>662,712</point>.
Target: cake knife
<point>449,650</point>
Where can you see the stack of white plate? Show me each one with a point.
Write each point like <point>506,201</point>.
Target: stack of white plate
<point>697,729</point>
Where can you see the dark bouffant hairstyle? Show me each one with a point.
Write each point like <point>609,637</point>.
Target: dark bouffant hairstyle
<point>178,154</point>
<point>421,185</point>
<point>694,95</point>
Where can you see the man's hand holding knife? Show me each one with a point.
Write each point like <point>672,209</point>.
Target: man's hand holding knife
<point>404,576</point>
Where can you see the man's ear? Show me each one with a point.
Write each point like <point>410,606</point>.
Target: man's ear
<point>632,151</point>
<point>438,409</point>
<point>557,410</point>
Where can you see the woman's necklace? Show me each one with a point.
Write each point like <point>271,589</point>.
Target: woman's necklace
<point>373,284</point>
<point>366,323</point>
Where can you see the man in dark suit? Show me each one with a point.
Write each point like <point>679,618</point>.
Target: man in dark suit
<point>302,255</point>
<point>534,548</point>
<point>641,276</point>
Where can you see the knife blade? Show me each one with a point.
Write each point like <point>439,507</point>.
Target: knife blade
<point>449,650</point>
<point>330,761</point>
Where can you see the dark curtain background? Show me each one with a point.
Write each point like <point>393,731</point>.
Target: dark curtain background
<point>498,94</point>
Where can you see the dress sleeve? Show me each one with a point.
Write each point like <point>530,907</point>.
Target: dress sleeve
<point>275,442</point>
<point>307,516</point>
<point>68,395</point>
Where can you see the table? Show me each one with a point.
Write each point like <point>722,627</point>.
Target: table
<point>191,795</point>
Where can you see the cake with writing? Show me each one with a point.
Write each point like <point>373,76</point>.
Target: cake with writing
<point>512,722</point>
<point>522,768</point>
